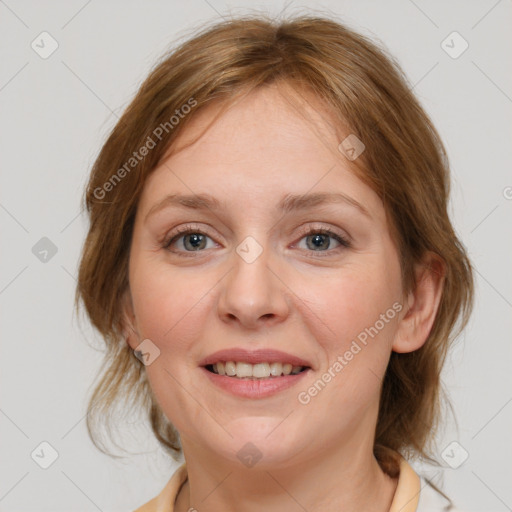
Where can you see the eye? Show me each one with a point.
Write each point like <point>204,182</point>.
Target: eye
<point>187,239</point>
<point>319,240</point>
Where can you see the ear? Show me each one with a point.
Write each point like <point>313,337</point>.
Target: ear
<point>129,321</point>
<point>422,304</point>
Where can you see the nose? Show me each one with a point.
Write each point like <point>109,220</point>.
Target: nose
<point>253,294</point>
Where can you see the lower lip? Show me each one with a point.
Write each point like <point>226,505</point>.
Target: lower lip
<point>249,388</point>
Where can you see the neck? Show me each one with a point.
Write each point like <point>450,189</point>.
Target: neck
<point>350,480</point>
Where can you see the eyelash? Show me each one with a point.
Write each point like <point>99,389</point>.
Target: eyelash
<point>188,229</point>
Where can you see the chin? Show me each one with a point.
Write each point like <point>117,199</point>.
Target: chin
<point>264,442</point>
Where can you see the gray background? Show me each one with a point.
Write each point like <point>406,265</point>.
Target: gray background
<point>55,114</point>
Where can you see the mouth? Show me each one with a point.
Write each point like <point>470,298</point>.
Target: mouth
<point>248,371</point>
<point>254,374</point>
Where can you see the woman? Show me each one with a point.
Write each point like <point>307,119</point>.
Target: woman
<point>272,266</point>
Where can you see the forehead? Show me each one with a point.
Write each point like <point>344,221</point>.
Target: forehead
<point>271,142</point>
<point>270,116</point>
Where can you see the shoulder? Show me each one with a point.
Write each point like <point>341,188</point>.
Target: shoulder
<point>433,500</point>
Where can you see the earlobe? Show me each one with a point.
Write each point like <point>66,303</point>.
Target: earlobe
<point>423,304</point>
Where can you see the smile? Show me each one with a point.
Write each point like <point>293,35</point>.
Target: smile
<point>243,370</point>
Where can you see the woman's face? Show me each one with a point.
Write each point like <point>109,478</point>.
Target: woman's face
<point>252,275</point>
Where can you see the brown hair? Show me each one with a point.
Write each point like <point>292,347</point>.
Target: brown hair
<point>404,162</point>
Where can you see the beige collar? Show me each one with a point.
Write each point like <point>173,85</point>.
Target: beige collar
<point>407,492</point>
<point>406,497</point>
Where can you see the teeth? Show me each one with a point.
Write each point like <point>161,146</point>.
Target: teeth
<point>243,370</point>
<point>260,370</point>
<point>230,368</point>
<point>254,371</point>
<point>276,369</point>
<point>220,368</point>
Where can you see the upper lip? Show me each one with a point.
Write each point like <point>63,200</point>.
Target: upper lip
<point>261,355</point>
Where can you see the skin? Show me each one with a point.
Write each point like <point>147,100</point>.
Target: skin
<point>294,297</point>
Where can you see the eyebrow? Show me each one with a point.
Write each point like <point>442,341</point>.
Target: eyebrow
<point>288,203</point>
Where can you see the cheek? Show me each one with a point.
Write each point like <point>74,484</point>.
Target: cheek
<point>165,299</point>
<point>171,309</point>
<point>359,318</point>
<point>356,299</point>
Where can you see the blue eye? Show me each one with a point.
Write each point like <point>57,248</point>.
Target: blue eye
<point>194,240</point>
<point>319,239</point>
